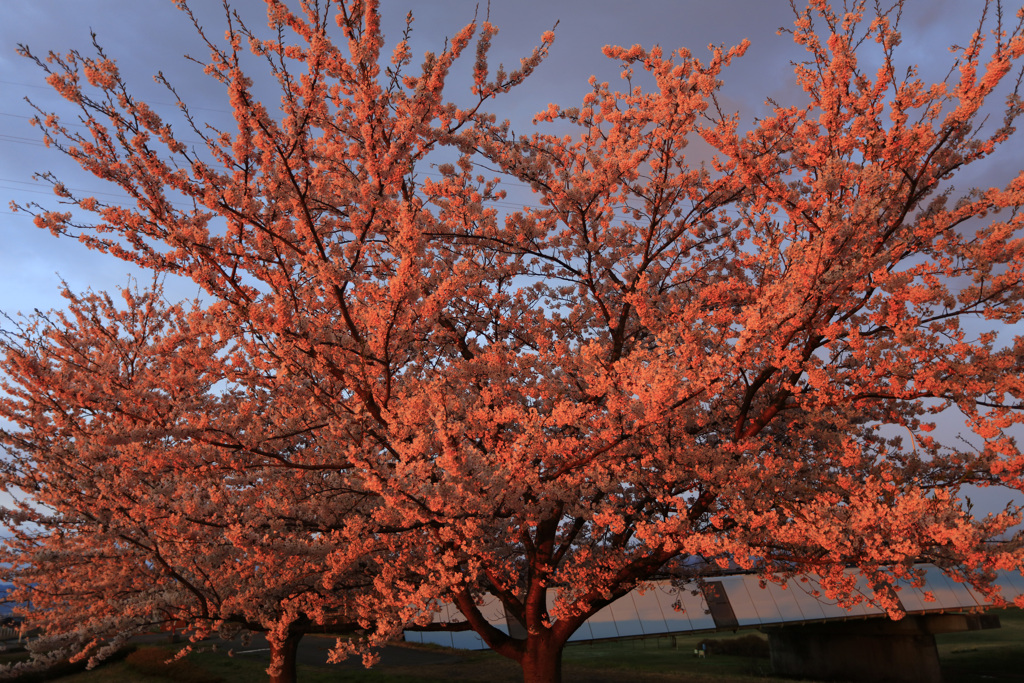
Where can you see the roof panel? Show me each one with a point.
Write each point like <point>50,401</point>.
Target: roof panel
<point>829,607</point>
<point>762,601</point>
<point>649,611</point>
<point>627,621</point>
<point>809,605</point>
<point>450,614</point>
<point>493,611</point>
<point>965,595</point>
<point>948,594</point>
<point>786,603</point>
<point>582,633</point>
<point>739,597</point>
<point>467,640</point>
<point>979,598</point>
<point>696,609</point>
<point>666,595</point>
<point>1011,584</point>
<point>867,608</point>
<point>442,638</point>
<point>911,597</point>
<point>602,624</point>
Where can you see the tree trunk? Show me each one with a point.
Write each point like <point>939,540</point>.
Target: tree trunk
<point>542,660</point>
<point>282,659</point>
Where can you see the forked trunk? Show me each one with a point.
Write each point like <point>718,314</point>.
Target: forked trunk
<point>282,659</point>
<point>542,660</point>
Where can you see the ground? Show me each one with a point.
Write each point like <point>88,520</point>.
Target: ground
<point>989,656</point>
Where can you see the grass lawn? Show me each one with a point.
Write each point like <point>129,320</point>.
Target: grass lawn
<point>991,656</point>
<point>985,656</point>
<point>652,661</point>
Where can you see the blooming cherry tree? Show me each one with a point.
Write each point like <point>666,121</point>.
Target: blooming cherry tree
<point>662,359</point>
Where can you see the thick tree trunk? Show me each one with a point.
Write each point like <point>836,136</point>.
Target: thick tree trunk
<point>542,660</point>
<point>282,659</point>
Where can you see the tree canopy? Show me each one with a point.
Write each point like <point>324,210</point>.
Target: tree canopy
<point>393,392</point>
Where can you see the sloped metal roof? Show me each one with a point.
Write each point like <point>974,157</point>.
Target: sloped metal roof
<point>738,601</point>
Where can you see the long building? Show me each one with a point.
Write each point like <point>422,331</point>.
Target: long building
<point>809,636</point>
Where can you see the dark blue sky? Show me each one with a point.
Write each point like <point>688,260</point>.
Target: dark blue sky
<point>147,36</point>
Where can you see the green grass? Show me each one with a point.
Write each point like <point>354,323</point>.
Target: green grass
<point>651,661</point>
<point>661,657</point>
<point>635,661</point>
<point>990,655</point>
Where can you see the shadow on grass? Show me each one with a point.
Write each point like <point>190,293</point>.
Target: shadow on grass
<point>991,656</point>
<point>988,656</point>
